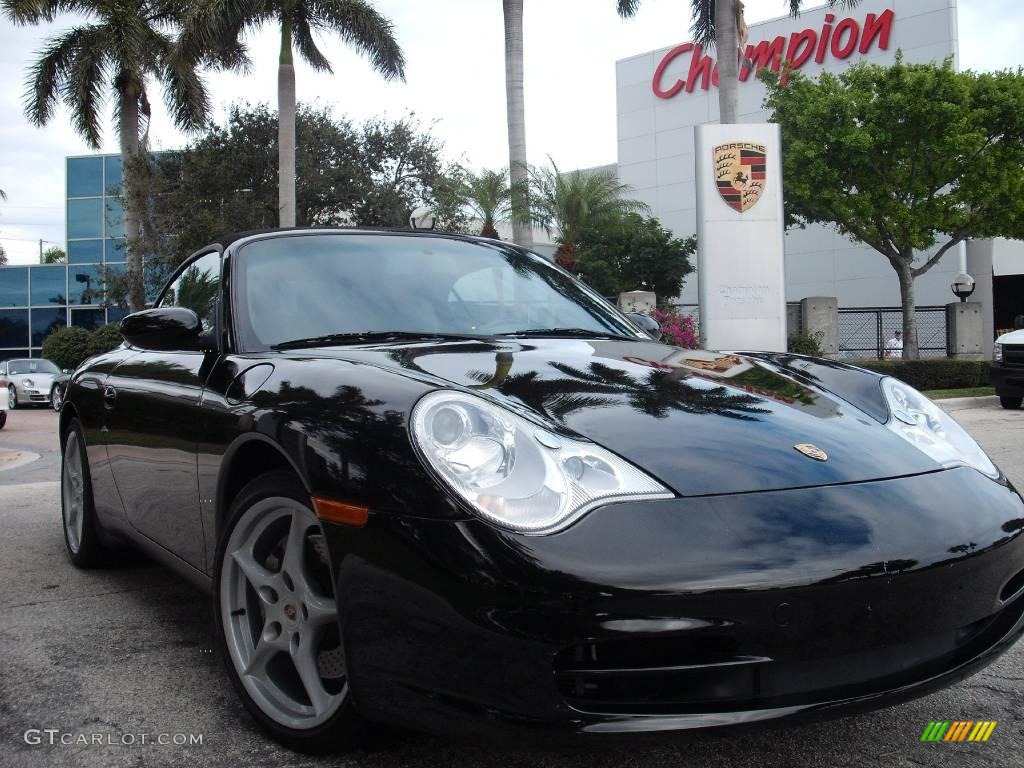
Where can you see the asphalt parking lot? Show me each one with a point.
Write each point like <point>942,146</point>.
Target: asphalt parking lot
<point>129,652</point>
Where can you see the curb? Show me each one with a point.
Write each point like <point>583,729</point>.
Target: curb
<point>960,403</point>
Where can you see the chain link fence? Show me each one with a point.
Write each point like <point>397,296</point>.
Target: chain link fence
<point>864,332</point>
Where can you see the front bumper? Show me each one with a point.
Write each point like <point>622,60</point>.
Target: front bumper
<point>33,395</point>
<point>1008,380</point>
<point>687,613</point>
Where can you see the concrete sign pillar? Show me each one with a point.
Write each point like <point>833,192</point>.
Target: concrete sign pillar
<point>740,230</point>
<point>820,318</point>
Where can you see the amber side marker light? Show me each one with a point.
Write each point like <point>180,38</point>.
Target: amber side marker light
<point>340,512</point>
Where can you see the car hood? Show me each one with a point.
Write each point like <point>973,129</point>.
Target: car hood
<point>1012,337</point>
<point>701,422</point>
<point>40,381</point>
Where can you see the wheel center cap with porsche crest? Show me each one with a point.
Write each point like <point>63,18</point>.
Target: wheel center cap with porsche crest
<point>811,451</point>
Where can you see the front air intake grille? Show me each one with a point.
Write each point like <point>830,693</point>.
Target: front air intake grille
<point>1013,354</point>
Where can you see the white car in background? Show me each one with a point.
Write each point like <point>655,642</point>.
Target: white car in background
<point>1008,369</point>
<point>27,380</point>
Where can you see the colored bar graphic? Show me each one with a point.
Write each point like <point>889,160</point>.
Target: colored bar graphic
<point>958,730</point>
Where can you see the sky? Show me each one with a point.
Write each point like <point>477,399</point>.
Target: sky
<point>455,81</point>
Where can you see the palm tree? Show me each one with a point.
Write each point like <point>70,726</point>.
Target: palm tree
<point>125,45</point>
<point>522,231</point>
<point>720,23</point>
<point>356,22</point>
<point>489,195</point>
<point>570,202</point>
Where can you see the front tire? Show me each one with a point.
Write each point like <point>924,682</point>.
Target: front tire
<point>277,622</point>
<point>1011,403</point>
<point>12,398</point>
<point>56,397</point>
<point>81,534</point>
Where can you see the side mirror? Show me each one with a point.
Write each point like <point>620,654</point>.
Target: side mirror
<point>647,324</point>
<point>164,328</point>
<point>66,370</point>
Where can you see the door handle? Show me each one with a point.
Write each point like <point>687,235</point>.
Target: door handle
<point>109,396</point>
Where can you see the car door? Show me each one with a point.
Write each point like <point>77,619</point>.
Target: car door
<point>151,404</point>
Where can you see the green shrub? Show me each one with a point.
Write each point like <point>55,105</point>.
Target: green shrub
<point>940,373</point>
<point>806,343</point>
<point>104,339</point>
<point>66,347</point>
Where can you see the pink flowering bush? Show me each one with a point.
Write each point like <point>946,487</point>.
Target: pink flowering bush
<point>676,329</point>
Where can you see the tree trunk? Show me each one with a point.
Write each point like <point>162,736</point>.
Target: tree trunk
<point>286,130</point>
<point>129,135</point>
<point>728,60</point>
<point>522,229</point>
<point>909,312</point>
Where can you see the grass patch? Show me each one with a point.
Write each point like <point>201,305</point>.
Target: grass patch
<point>945,394</point>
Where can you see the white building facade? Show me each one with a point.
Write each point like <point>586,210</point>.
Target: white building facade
<point>663,94</point>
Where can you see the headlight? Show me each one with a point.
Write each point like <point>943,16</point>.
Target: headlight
<point>27,383</point>
<point>515,473</point>
<point>918,420</point>
<point>997,354</point>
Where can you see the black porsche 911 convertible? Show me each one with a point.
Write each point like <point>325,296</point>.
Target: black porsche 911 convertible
<point>435,481</point>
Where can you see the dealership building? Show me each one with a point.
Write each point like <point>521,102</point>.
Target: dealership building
<point>663,94</point>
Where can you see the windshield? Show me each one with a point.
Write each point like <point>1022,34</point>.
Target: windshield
<point>317,285</point>
<point>15,367</point>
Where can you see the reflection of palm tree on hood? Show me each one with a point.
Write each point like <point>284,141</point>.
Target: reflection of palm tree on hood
<point>601,386</point>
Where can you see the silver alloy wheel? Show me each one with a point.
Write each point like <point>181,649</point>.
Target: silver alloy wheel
<point>56,398</point>
<point>12,398</point>
<point>279,616</point>
<point>73,492</point>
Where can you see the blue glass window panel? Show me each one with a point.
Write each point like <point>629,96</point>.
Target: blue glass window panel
<point>85,251</point>
<point>114,314</point>
<point>48,286</point>
<point>90,319</point>
<point>13,328</point>
<point>112,182</point>
<point>115,217</point>
<point>85,176</point>
<point>45,322</point>
<point>114,249</point>
<point>85,285</point>
<point>85,218</point>
<point>14,287</point>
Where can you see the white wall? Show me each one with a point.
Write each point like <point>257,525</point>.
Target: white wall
<point>656,154</point>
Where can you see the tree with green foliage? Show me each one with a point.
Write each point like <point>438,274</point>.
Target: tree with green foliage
<point>124,46</point>
<point>53,255</point>
<point>216,23</point>
<point>912,159</point>
<point>568,203</point>
<point>721,23</point>
<point>66,347</point>
<point>225,181</point>
<point>104,339</point>
<point>3,256</point>
<point>489,195</point>
<point>631,253</point>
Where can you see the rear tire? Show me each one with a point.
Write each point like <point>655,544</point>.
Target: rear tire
<point>81,534</point>
<point>276,619</point>
<point>1011,403</point>
<point>3,418</point>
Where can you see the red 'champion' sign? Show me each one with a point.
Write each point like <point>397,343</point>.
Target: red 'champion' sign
<point>841,40</point>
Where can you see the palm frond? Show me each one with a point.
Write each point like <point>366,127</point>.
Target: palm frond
<point>360,25</point>
<point>703,28</point>
<point>489,195</point>
<point>184,91</point>
<point>302,38</point>
<point>23,12</point>
<point>627,8</point>
<point>87,79</point>
<point>49,73</point>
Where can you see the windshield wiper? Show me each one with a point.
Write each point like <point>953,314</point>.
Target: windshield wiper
<point>365,337</point>
<point>567,332</point>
